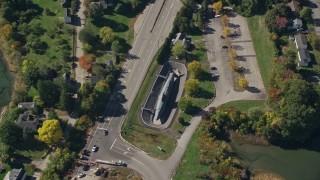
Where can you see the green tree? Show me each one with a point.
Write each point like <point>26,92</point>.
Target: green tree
<point>107,35</point>
<point>50,132</point>
<point>6,152</point>
<point>49,92</point>
<point>306,14</point>
<point>87,35</point>
<point>117,47</point>
<point>299,111</point>
<point>195,69</point>
<point>65,100</point>
<point>248,7</point>
<point>10,134</point>
<point>178,51</point>
<point>192,86</point>
<point>185,104</point>
<point>314,40</point>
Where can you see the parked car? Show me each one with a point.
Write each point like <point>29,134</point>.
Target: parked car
<point>224,47</point>
<point>215,75</point>
<point>94,148</point>
<point>107,119</point>
<point>105,132</point>
<point>120,163</point>
<point>81,175</point>
<point>213,68</point>
<point>217,16</point>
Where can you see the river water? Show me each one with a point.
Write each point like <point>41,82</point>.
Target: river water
<point>6,82</point>
<point>292,164</point>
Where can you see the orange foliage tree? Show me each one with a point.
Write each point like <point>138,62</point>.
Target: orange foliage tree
<point>86,61</point>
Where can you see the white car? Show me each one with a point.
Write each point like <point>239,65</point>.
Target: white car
<point>94,148</point>
<point>217,16</point>
<point>81,175</point>
<point>215,75</point>
<point>120,163</point>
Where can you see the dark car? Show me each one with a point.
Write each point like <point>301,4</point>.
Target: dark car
<point>213,68</point>
<point>105,132</point>
<point>224,47</point>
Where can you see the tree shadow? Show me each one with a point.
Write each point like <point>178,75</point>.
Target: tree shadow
<point>205,76</point>
<point>202,93</point>
<point>115,26</point>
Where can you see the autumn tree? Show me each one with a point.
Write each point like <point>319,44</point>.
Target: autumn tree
<point>226,31</point>
<point>5,32</point>
<point>192,86</point>
<point>50,132</point>
<point>225,20</point>
<point>106,35</point>
<point>83,123</point>
<point>178,51</point>
<point>195,69</point>
<point>86,61</point>
<point>217,7</point>
<point>102,87</point>
<point>243,83</point>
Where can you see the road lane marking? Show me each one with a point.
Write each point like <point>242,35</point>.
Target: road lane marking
<point>113,143</point>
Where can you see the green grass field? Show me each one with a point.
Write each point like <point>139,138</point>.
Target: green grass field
<point>263,47</point>
<point>245,105</point>
<point>53,57</point>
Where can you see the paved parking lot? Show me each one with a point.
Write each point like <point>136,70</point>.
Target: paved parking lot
<point>218,57</point>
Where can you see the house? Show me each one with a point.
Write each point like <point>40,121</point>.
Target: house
<point>27,120</point>
<point>103,3</point>
<point>15,174</point>
<point>295,24</point>
<point>26,105</point>
<point>65,3</point>
<point>67,16</point>
<point>301,41</point>
<point>304,57</point>
<point>294,8</point>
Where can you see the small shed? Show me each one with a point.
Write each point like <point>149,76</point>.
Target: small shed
<point>67,16</point>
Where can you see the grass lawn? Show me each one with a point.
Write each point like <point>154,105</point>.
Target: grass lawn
<point>53,57</point>
<point>189,166</point>
<point>206,84</point>
<point>245,105</point>
<point>145,138</point>
<point>263,46</point>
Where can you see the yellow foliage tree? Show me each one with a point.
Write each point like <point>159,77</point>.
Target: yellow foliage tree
<point>225,20</point>
<point>50,132</point>
<point>195,68</point>
<point>5,31</point>
<point>232,54</point>
<point>25,65</point>
<point>243,83</point>
<point>192,86</point>
<point>217,7</point>
<point>226,31</point>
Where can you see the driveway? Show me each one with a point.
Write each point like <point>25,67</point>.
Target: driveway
<point>315,5</point>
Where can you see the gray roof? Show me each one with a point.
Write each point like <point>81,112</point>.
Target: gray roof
<point>300,39</point>
<point>109,63</point>
<point>26,105</point>
<point>297,21</point>
<point>67,16</point>
<point>26,120</point>
<point>15,174</point>
<point>304,55</point>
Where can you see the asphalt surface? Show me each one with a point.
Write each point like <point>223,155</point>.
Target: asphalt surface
<point>315,5</point>
<point>145,46</point>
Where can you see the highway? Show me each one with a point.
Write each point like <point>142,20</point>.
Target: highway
<point>147,41</point>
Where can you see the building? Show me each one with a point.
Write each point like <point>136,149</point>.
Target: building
<point>304,57</point>
<point>15,174</point>
<point>27,120</point>
<point>26,105</point>
<point>103,3</point>
<point>295,24</point>
<point>300,41</point>
<point>67,16</point>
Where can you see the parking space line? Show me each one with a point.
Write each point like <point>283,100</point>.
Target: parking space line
<point>113,143</point>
